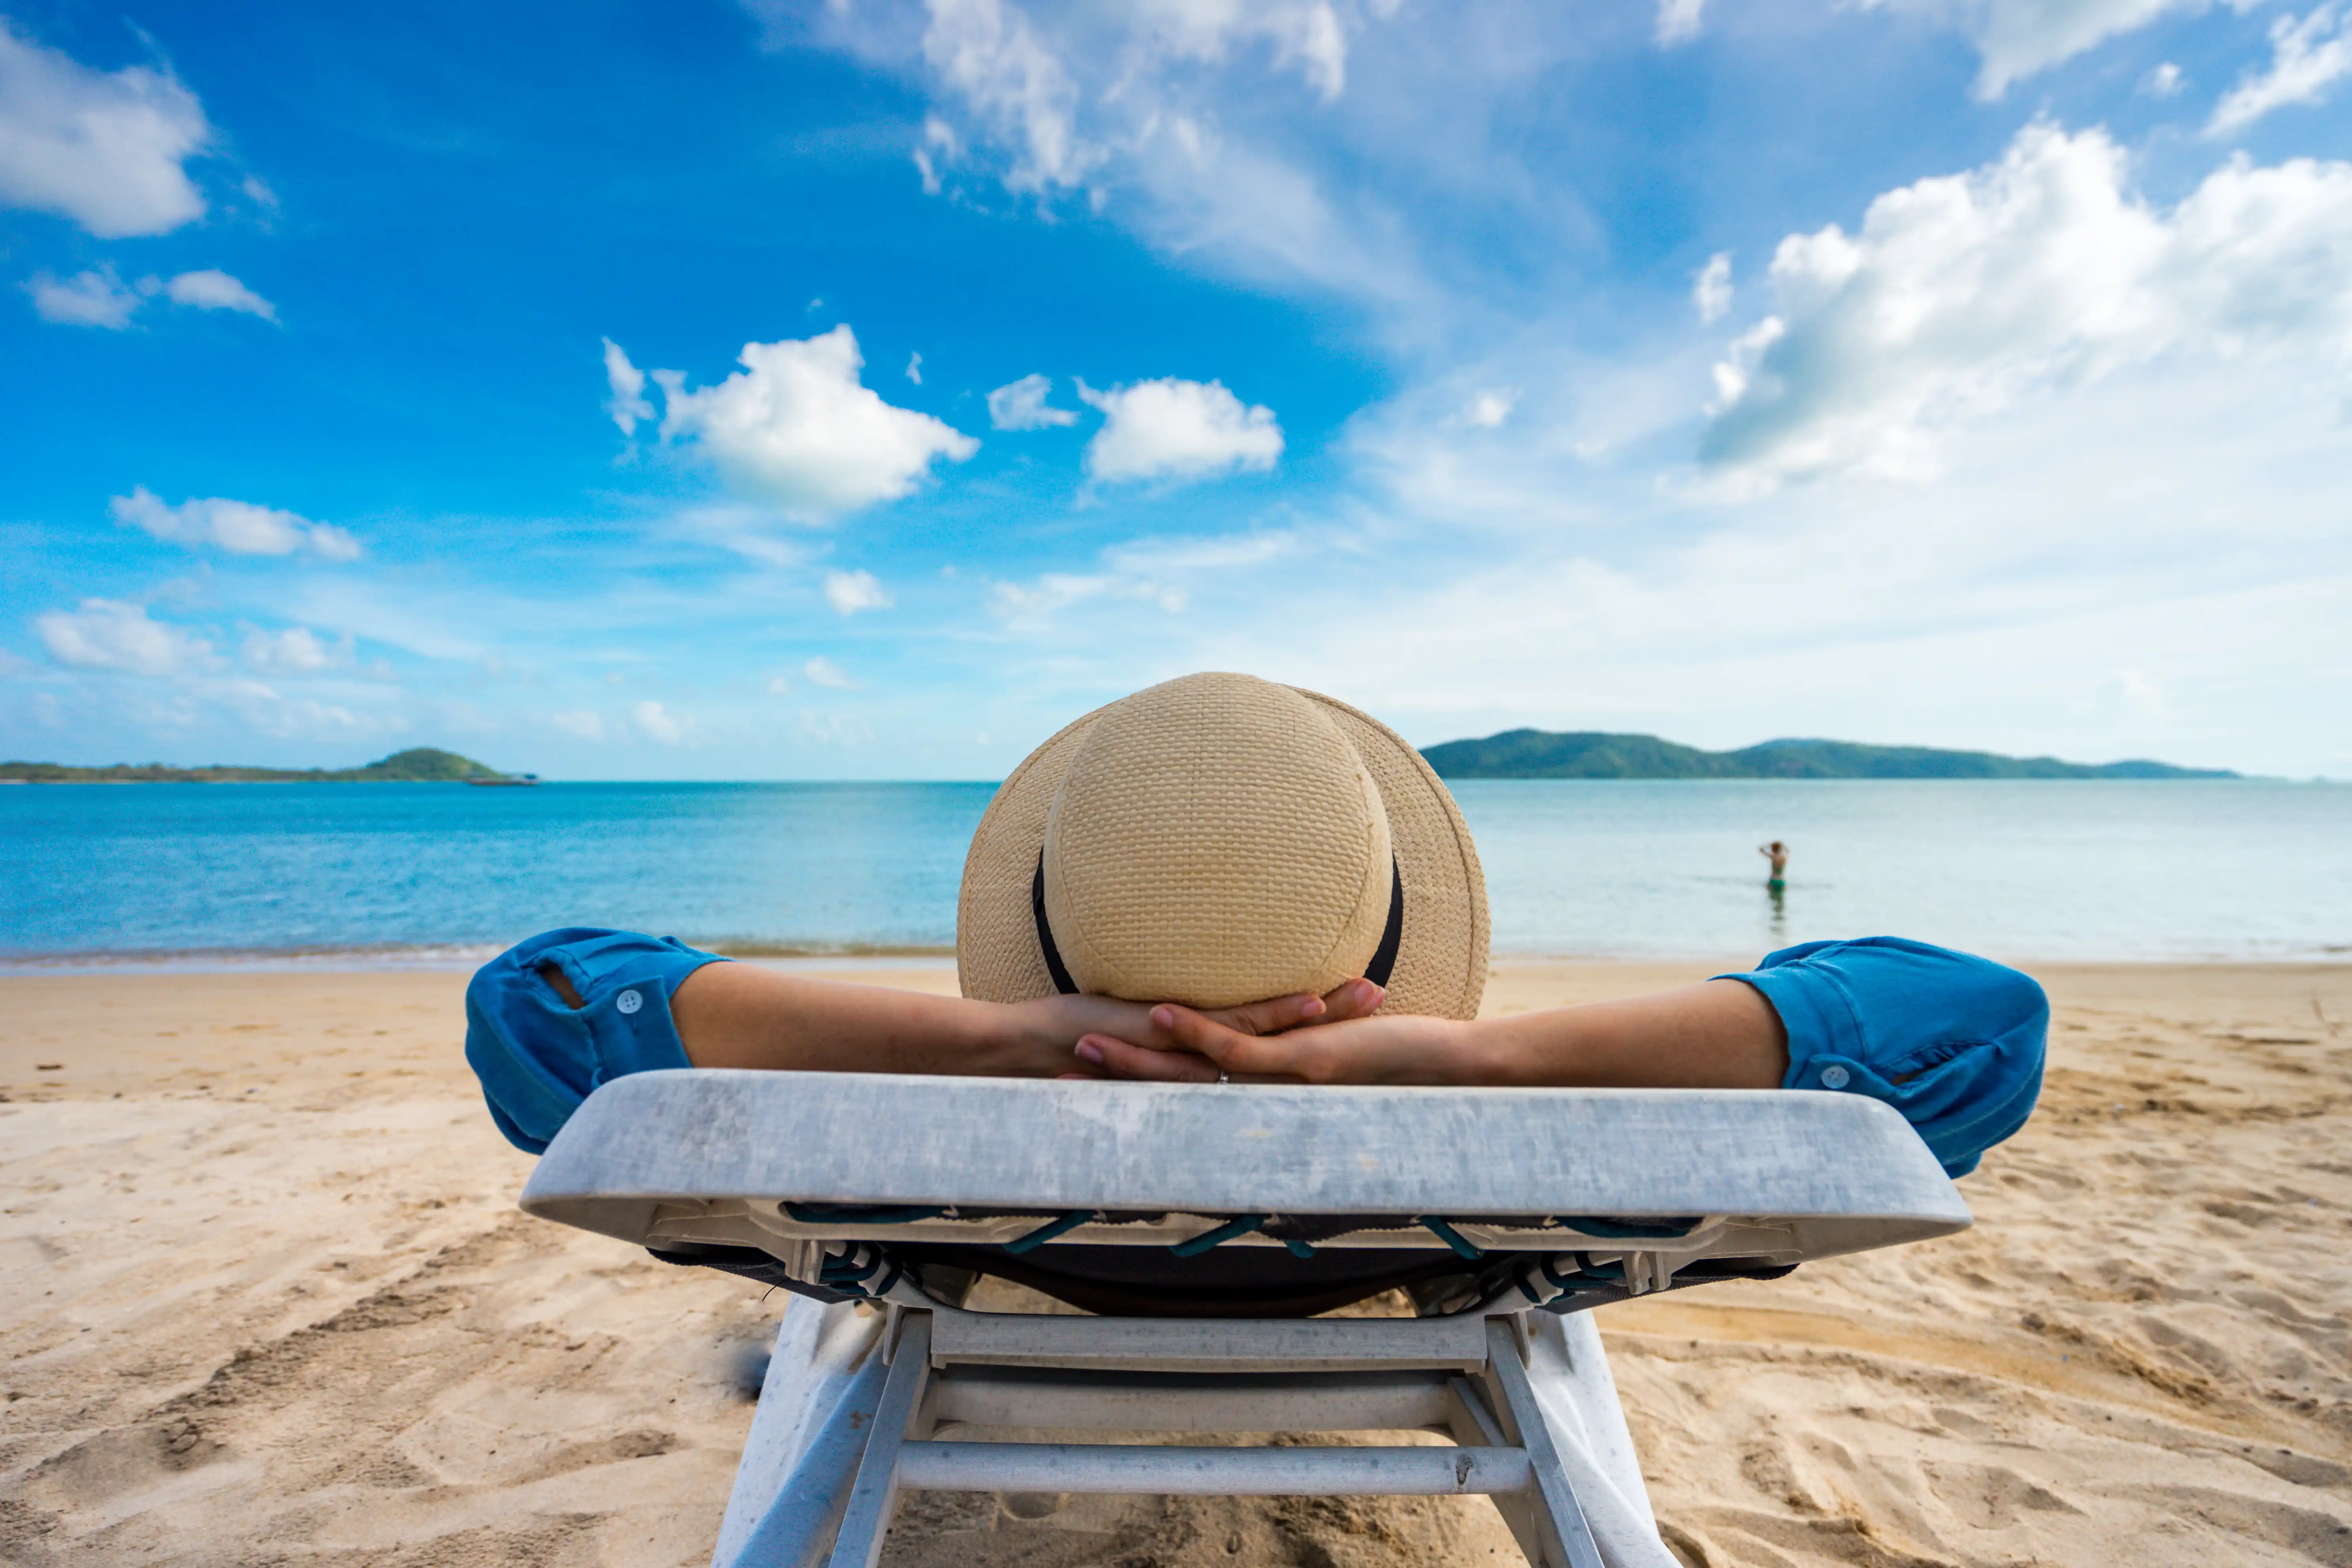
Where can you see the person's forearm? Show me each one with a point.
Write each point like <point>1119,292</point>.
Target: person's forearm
<point>737,1016</point>
<point>1719,1035</point>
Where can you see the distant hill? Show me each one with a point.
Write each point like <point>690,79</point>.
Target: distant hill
<point>419,765</point>
<point>1591,754</point>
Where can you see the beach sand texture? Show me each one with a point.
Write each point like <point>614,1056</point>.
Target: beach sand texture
<point>265,1299</point>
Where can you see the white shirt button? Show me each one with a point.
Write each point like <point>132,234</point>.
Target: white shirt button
<point>630,1000</point>
<point>1833,1077</point>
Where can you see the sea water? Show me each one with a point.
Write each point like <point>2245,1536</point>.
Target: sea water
<point>439,873</point>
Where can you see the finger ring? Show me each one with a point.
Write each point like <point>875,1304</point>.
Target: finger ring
<point>1224,1077</point>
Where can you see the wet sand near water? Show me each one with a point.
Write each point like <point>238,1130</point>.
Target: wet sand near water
<point>265,1299</point>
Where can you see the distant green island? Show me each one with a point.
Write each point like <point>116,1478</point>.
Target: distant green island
<point>1591,754</point>
<point>419,765</point>
<point>1513,754</point>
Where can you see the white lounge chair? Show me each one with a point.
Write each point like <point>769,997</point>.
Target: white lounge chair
<point>1203,1222</point>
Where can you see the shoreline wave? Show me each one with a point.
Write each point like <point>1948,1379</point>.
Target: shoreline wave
<point>459,957</point>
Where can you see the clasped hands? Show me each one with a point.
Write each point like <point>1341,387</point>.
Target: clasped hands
<point>1303,1038</point>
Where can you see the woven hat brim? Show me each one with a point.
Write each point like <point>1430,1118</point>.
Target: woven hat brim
<point>1441,965</point>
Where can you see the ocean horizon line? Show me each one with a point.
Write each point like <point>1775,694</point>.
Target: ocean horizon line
<point>545,783</point>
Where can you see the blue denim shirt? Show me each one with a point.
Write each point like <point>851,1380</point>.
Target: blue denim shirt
<point>538,1057</point>
<point>1952,1041</point>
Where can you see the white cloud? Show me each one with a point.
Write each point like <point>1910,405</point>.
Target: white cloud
<point>1964,294</point>
<point>2017,39</point>
<point>261,707</point>
<point>239,527</point>
<point>579,722</point>
<point>1678,21</point>
<point>1023,89</point>
<point>796,426</point>
<point>914,369</point>
<point>1489,408</point>
<point>98,297</point>
<point>1161,571</point>
<point>1169,110</point>
<point>823,671</point>
<point>850,592</point>
<point>940,138</point>
<point>778,685</point>
<point>104,149</point>
<point>656,723</point>
<point>212,290</point>
<point>2164,81</point>
<point>297,650</point>
<point>2307,57</point>
<point>107,634</point>
<point>1177,429</point>
<point>93,299</point>
<point>1711,289</point>
<point>1040,601</point>
<point>1306,36</point>
<point>1022,406</point>
<point>629,403</point>
<point>987,52</point>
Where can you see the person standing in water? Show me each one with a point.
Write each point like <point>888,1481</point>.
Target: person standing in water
<point>1778,853</point>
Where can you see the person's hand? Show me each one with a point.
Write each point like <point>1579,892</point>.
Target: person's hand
<point>1054,1025</point>
<point>1356,1050</point>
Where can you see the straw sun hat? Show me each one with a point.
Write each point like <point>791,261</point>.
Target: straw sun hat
<point>1218,840</point>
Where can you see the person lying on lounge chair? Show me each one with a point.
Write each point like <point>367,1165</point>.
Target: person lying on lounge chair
<point>1218,879</point>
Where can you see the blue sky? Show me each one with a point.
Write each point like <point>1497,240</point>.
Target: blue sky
<point>544,383</point>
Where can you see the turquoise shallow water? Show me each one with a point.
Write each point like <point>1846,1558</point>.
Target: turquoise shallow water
<point>426,872</point>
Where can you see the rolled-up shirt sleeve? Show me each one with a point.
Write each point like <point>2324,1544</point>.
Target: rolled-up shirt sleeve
<point>1952,1041</point>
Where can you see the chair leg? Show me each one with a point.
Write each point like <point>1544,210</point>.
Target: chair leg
<point>816,1408</point>
<point>874,1497</point>
<point>1473,1425</point>
<point>1564,1539</point>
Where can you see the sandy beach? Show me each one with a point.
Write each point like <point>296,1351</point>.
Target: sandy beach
<point>265,1299</point>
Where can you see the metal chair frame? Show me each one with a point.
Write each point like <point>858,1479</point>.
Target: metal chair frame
<point>1463,1377</point>
<point>1569,1197</point>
